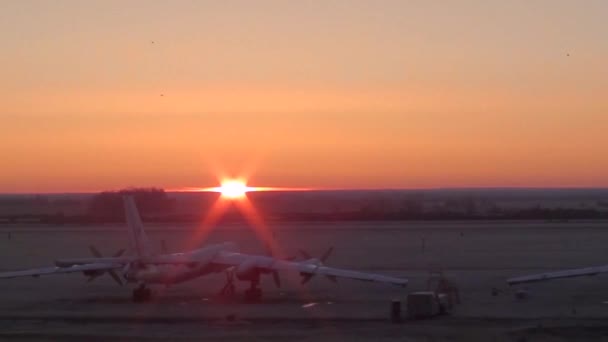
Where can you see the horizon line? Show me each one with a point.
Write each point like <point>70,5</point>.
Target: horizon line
<point>290,189</point>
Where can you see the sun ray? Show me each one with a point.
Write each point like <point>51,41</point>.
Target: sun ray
<point>233,192</point>
<point>214,214</point>
<point>267,237</point>
<point>262,230</point>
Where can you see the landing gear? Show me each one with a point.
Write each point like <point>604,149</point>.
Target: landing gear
<point>141,294</point>
<point>253,293</point>
<point>228,291</point>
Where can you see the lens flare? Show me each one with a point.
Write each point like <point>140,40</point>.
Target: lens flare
<point>233,189</point>
<point>233,194</point>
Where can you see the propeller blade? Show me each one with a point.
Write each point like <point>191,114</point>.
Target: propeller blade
<point>230,274</point>
<point>115,277</point>
<point>95,252</point>
<point>304,254</point>
<point>113,274</point>
<point>91,278</point>
<point>326,254</point>
<point>332,278</point>
<point>306,278</point>
<point>277,280</point>
<point>126,268</point>
<point>119,253</point>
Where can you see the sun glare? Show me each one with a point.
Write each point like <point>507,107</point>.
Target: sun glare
<point>233,189</point>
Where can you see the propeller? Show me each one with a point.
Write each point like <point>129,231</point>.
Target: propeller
<point>327,253</point>
<point>306,277</point>
<point>228,289</point>
<point>304,254</point>
<point>275,277</point>
<point>112,273</point>
<point>320,260</point>
<point>275,273</point>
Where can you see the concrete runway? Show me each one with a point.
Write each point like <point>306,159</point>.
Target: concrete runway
<point>475,255</point>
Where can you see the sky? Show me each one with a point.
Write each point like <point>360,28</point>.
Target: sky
<point>98,95</point>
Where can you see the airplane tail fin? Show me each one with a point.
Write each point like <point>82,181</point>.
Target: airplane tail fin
<point>138,240</point>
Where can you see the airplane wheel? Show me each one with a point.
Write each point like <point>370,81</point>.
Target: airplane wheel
<point>253,295</point>
<point>137,295</point>
<point>228,291</point>
<point>231,291</point>
<point>141,294</point>
<point>147,294</point>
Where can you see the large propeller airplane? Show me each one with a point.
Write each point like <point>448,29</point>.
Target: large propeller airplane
<point>143,267</point>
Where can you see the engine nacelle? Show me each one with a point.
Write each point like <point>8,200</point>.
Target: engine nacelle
<point>93,273</point>
<point>247,270</point>
<point>131,272</point>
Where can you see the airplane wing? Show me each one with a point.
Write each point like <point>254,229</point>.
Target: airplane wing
<point>341,273</point>
<point>200,256</point>
<point>36,272</point>
<point>88,261</point>
<point>304,268</point>
<point>578,272</point>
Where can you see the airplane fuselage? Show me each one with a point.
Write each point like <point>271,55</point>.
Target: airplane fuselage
<point>164,269</point>
<point>167,274</point>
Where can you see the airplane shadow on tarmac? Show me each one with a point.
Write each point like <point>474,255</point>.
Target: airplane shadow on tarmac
<point>281,298</point>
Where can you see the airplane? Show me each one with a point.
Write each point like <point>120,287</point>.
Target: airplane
<point>143,267</point>
<point>577,272</point>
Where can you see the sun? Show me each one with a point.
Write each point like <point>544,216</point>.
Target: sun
<point>233,189</point>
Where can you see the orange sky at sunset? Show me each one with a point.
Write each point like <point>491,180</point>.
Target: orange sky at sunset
<point>316,94</point>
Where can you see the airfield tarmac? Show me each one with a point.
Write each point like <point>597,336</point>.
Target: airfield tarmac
<point>477,256</point>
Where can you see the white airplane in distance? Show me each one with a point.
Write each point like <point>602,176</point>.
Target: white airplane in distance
<point>143,267</point>
<point>577,272</point>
